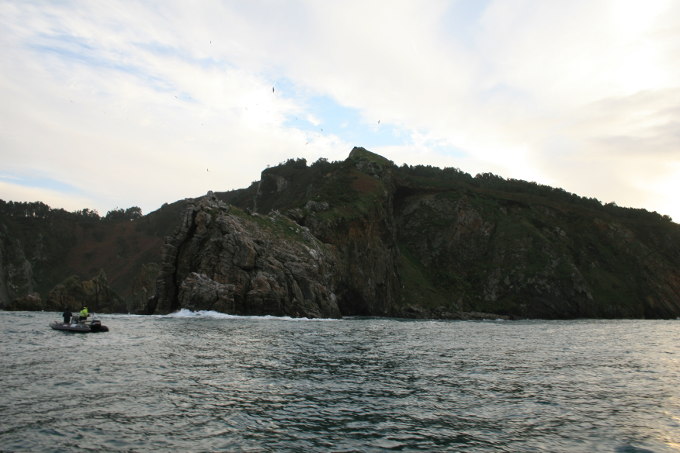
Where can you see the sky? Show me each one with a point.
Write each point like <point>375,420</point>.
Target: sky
<point>112,104</point>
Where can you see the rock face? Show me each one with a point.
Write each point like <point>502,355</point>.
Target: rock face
<point>17,286</point>
<point>74,293</point>
<point>540,259</point>
<point>426,242</point>
<point>41,248</point>
<point>224,259</point>
<point>356,237</point>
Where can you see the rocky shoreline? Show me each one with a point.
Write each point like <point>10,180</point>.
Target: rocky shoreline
<point>361,237</point>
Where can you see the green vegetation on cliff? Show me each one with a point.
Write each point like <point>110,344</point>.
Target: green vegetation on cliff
<point>41,248</point>
<point>414,241</point>
<point>436,242</point>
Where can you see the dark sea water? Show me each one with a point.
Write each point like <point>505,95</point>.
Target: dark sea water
<point>210,382</point>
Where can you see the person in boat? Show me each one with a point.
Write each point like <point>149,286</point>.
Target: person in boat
<point>67,316</point>
<point>84,314</point>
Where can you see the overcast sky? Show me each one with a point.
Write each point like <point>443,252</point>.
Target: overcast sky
<point>113,104</point>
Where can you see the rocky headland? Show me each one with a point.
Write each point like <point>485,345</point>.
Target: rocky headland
<point>360,237</point>
<point>221,258</point>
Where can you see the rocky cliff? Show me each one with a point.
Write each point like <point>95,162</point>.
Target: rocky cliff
<point>428,242</point>
<point>224,259</point>
<point>362,237</point>
<point>96,294</point>
<point>16,272</point>
<point>43,249</point>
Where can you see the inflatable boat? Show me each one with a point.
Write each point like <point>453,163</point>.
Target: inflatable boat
<point>94,325</point>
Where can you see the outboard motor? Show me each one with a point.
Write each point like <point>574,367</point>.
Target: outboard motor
<point>95,325</point>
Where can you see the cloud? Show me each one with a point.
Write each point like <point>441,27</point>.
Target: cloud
<point>142,103</point>
<point>154,126</point>
<point>53,198</point>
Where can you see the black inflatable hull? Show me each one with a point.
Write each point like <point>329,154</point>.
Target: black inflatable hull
<point>80,328</point>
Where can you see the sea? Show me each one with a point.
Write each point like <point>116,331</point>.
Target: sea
<point>206,381</point>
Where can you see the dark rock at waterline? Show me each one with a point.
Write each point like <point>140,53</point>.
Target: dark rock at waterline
<point>74,293</point>
<point>224,259</point>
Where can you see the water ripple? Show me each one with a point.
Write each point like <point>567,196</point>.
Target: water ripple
<point>204,382</point>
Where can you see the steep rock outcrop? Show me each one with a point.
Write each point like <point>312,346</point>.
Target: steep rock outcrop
<point>426,242</point>
<point>350,207</point>
<point>41,247</point>
<point>17,287</point>
<point>535,260</point>
<point>223,259</point>
<point>487,264</point>
<point>74,293</point>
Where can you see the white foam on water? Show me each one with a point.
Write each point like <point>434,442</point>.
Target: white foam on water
<point>186,313</point>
